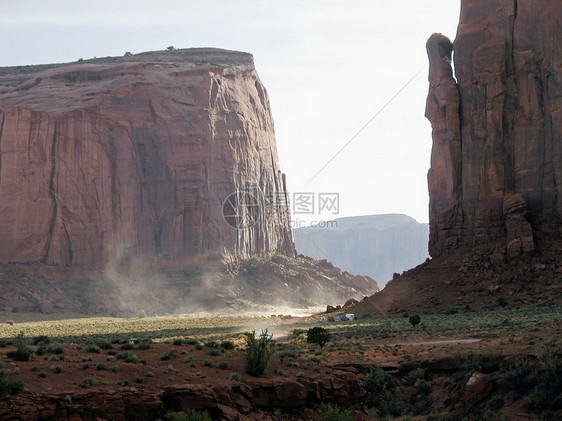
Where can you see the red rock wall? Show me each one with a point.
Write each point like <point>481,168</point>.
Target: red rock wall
<point>496,128</point>
<point>120,158</point>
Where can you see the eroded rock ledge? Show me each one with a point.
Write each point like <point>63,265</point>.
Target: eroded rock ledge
<point>228,401</point>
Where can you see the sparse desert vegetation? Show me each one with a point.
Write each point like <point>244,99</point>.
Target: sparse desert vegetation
<point>388,366</point>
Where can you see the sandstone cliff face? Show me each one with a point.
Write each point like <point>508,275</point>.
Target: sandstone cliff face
<point>114,159</point>
<point>375,245</point>
<point>496,166</point>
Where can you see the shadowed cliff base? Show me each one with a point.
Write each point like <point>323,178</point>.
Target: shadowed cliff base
<point>472,281</point>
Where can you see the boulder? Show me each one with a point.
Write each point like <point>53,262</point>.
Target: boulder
<point>289,393</point>
<point>477,388</point>
<point>189,396</point>
<point>350,302</point>
<point>45,306</point>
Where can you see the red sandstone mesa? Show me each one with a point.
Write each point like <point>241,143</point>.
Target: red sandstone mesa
<point>496,166</point>
<point>112,159</point>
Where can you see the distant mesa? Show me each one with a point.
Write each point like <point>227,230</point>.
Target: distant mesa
<point>376,245</point>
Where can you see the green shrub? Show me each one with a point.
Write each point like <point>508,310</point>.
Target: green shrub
<point>378,381</point>
<point>397,403</point>
<point>93,348</point>
<point>318,335</point>
<point>518,378</point>
<point>57,369</point>
<point>208,363</point>
<point>258,352</point>
<point>41,340</point>
<point>496,403</point>
<point>88,382</point>
<point>485,363</point>
<point>227,345</point>
<point>10,387</point>
<point>127,356</point>
<point>141,314</point>
<point>502,302</point>
<point>127,346</point>
<point>333,413</point>
<point>144,344</point>
<point>104,345</point>
<point>415,320</point>
<point>424,388</point>
<point>223,365</point>
<point>235,377</point>
<point>115,368</point>
<point>214,352</point>
<point>22,352</point>
<point>408,366</point>
<point>170,355</point>
<point>548,381</point>
<point>55,349</point>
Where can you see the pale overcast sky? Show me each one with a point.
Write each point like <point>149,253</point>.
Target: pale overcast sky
<point>328,66</point>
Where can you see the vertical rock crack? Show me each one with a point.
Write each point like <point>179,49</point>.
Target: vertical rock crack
<point>54,204</point>
<point>1,133</point>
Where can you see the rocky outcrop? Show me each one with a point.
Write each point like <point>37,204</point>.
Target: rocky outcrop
<point>375,245</point>
<point>111,160</point>
<point>254,398</point>
<point>496,173</point>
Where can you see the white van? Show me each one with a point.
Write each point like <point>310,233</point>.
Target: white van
<point>350,316</point>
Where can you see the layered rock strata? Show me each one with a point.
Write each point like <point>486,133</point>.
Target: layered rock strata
<point>109,160</point>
